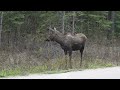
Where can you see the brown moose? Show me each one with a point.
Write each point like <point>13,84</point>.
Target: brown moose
<point>68,42</point>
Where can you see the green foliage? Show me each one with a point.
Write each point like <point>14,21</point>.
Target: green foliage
<point>38,21</point>
<point>13,18</point>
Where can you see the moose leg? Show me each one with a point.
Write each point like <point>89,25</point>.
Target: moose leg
<point>81,52</point>
<point>70,57</point>
<point>65,52</point>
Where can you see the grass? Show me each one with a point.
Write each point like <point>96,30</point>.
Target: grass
<point>97,64</point>
<point>56,67</point>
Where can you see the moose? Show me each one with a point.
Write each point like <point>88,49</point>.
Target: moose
<point>68,42</point>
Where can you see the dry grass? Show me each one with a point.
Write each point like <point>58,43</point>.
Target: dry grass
<point>28,64</point>
<point>50,58</point>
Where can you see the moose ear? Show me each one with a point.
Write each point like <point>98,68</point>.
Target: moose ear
<point>50,29</point>
<point>54,28</point>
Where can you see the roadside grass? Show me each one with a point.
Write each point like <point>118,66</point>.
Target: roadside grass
<point>58,66</point>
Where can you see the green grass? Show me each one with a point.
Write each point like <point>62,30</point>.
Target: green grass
<point>93,64</point>
<point>11,72</point>
<point>57,67</point>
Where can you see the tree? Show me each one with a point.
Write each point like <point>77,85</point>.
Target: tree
<point>1,20</point>
<point>113,21</point>
<point>63,22</point>
<point>111,17</point>
<point>73,24</point>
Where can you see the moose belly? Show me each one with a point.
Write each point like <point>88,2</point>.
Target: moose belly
<point>76,47</point>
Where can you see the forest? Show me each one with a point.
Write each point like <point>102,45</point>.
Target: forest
<point>23,47</point>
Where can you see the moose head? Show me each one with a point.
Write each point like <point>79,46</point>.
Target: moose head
<point>52,34</point>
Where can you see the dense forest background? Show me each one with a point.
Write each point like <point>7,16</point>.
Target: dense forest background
<point>22,35</point>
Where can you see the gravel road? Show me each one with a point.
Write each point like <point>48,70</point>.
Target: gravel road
<point>102,73</point>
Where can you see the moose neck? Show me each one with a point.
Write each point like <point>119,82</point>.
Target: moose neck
<point>59,39</point>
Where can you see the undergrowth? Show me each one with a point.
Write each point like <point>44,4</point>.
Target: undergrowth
<point>58,66</point>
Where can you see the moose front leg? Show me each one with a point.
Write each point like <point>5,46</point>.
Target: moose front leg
<point>70,57</point>
<point>65,52</point>
<point>81,52</point>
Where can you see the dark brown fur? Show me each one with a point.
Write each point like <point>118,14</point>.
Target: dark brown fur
<point>68,42</point>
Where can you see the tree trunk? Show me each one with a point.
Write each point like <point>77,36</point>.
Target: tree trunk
<point>111,17</point>
<point>63,22</point>
<point>110,34</point>
<point>73,24</point>
<point>113,21</point>
<point>1,20</point>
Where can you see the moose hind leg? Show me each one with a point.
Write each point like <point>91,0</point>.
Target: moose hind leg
<point>81,52</point>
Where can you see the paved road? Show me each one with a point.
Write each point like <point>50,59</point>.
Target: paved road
<point>104,73</point>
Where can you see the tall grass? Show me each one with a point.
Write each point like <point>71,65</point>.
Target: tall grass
<point>49,57</point>
<point>26,67</point>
